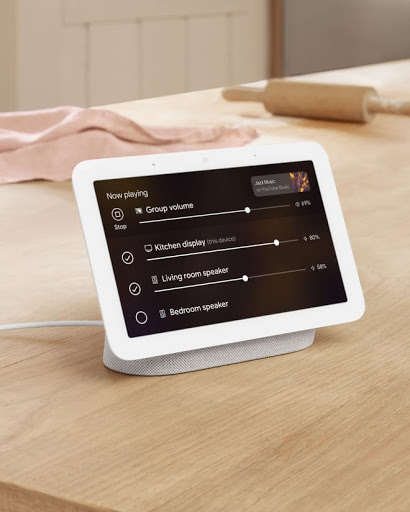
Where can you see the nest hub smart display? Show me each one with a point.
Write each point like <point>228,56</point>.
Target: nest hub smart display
<point>206,258</point>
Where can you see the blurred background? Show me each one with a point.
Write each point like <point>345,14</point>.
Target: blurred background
<point>96,52</point>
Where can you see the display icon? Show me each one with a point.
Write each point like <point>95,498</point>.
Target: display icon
<point>141,317</point>
<point>139,211</point>
<point>134,288</point>
<point>117,214</point>
<point>162,313</point>
<point>127,257</point>
<point>148,248</point>
<point>154,279</point>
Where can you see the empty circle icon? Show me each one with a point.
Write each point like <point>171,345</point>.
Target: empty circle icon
<point>117,214</point>
<point>141,317</point>
<point>134,288</point>
<point>127,257</point>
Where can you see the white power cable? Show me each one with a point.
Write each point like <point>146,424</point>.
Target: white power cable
<point>62,323</point>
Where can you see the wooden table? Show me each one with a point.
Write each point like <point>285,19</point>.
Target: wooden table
<point>325,429</point>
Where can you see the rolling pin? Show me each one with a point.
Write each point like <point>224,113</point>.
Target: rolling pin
<point>355,103</point>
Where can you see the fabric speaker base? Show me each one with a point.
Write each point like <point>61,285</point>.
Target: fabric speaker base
<point>211,357</point>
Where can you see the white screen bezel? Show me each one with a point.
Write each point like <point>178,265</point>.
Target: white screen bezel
<point>86,173</point>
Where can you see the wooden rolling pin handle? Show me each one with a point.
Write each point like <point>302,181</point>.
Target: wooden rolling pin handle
<point>376,104</point>
<point>339,102</point>
<point>243,93</point>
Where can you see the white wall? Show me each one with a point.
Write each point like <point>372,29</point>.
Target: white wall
<point>331,34</point>
<point>94,52</point>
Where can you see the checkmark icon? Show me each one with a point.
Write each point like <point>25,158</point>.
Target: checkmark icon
<point>127,257</point>
<point>134,289</point>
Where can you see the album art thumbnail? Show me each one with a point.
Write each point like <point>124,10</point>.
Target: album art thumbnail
<point>300,181</point>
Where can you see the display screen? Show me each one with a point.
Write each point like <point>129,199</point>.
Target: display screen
<point>204,247</point>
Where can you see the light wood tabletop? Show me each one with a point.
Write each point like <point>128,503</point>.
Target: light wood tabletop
<point>327,428</point>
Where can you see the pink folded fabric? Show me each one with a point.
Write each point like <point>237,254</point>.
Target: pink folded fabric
<point>47,144</point>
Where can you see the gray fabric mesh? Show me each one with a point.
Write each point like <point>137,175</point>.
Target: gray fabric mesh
<point>210,357</point>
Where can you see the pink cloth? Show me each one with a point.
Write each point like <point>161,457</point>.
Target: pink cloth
<point>47,144</point>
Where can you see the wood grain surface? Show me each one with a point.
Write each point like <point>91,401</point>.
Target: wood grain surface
<point>327,428</point>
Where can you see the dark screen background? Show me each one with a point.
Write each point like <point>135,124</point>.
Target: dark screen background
<point>304,264</point>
